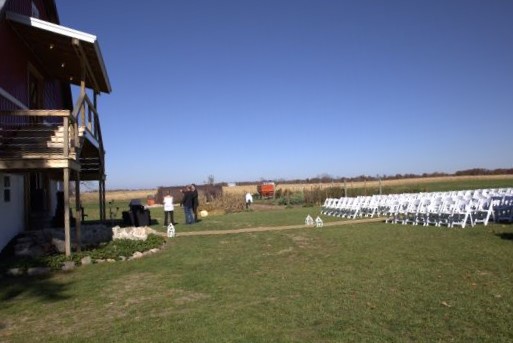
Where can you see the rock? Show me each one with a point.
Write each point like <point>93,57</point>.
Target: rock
<point>68,266</point>
<point>28,248</point>
<point>15,272</point>
<point>100,261</point>
<point>38,271</point>
<point>154,250</point>
<point>86,260</point>
<point>133,233</point>
<point>59,244</point>
<point>110,260</point>
<point>137,254</point>
<point>122,258</point>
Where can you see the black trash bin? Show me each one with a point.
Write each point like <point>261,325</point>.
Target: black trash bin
<point>138,215</point>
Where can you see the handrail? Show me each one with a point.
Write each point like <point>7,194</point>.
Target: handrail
<point>89,122</point>
<point>70,129</point>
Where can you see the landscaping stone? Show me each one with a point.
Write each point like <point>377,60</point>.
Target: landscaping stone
<point>36,271</point>
<point>68,266</point>
<point>100,261</point>
<point>59,244</point>
<point>86,260</point>
<point>134,233</point>
<point>15,272</point>
<point>110,260</point>
<point>137,254</point>
<point>154,250</point>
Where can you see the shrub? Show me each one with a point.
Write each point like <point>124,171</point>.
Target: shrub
<point>228,203</point>
<point>292,199</point>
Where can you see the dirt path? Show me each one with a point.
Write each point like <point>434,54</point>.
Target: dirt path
<point>275,228</point>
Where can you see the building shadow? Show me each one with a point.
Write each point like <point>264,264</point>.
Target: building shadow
<point>42,288</point>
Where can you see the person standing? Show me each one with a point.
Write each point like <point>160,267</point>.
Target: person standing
<point>249,200</point>
<point>187,202</point>
<point>195,202</point>
<point>169,209</point>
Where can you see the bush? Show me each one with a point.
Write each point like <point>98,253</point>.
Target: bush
<point>292,199</point>
<point>227,203</point>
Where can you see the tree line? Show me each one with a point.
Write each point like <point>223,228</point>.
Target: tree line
<point>326,178</point>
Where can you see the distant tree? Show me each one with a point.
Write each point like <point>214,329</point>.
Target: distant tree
<point>210,180</point>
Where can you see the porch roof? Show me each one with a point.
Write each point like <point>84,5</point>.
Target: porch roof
<point>63,51</point>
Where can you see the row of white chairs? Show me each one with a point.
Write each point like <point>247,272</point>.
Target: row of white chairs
<point>458,208</point>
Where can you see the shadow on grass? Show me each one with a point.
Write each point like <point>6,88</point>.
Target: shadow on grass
<point>42,288</point>
<point>505,235</point>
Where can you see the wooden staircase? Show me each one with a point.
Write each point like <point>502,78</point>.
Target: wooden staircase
<point>34,141</point>
<point>42,146</point>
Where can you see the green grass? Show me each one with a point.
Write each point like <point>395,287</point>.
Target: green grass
<point>353,283</point>
<point>247,219</point>
<point>281,216</point>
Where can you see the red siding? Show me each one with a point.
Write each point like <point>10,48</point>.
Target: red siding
<point>13,64</point>
<point>20,6</point>
<point>15,58</point>
<point>25,7</point>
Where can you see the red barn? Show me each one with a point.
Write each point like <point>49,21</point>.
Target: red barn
<point>46,140</point>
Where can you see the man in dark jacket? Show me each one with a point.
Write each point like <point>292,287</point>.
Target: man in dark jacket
<point>187,203</point>
<point>195,202</point>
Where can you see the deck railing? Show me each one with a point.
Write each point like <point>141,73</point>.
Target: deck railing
<point>86,118</point>
<point>20,128</point>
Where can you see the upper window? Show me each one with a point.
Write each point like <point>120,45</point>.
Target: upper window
<point>35,88</point>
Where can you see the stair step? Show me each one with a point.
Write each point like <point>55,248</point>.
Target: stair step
<point>55,145</point>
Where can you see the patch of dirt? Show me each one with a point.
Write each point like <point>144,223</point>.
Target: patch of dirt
<point>264,207</point>
<point>276,228</point>
<point>301,241</point>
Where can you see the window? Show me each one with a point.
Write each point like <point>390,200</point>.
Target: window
<point>35,89</point>
<point>7,189</point>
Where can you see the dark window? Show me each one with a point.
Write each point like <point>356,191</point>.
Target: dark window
<point>7,195</point>
<point>7,188</point>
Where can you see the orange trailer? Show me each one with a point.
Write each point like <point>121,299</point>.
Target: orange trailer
<point>266,189</point>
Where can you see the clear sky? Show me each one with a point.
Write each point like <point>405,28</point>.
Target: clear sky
<point>251,89</point>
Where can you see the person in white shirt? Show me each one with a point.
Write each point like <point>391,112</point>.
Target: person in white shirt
<point>169,208</point>
<point>249,200</point>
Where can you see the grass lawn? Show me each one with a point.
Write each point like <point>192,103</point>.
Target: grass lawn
<point>273,216</point>
<point>353,283</point>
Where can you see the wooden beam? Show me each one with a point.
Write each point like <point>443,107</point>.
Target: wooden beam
<point>83,57</point>
<point>78,214</point>
<point>26,198</point>
<point>101,199</point>
<point>104,214</point>
<point>37,113</point>
<point>67,236</point>
<point>65,124</point>
<point>30,164</point>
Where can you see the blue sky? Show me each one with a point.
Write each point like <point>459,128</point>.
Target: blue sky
<point>251,89</point>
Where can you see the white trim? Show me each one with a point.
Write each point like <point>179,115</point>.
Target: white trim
<point>12,99</point>
<point>47,26</point>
